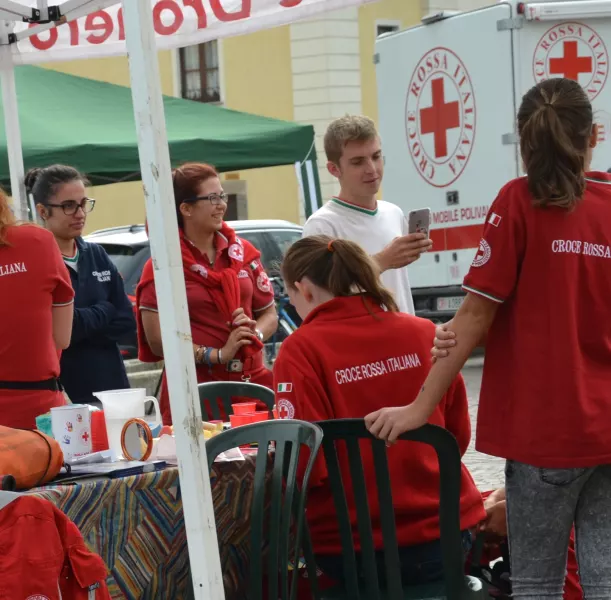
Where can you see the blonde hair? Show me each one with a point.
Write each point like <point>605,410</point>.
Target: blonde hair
<point>350,128</point>
<point>337,266</point>
<point>7,218</point>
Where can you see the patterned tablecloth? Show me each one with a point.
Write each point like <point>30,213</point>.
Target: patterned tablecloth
<point>136,525</point>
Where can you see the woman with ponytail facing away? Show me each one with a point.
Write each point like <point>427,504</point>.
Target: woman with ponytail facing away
<point>353,354</point>
<point>540,288</point>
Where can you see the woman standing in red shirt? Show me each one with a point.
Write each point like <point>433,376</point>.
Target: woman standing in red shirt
<point>541,284</point>
<point>37,308</point>
<point>230,298</point>
<point>353,354</point>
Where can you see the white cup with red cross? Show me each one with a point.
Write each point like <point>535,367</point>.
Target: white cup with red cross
<point>71,426</point>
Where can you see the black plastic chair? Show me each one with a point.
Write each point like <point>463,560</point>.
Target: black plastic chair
<point>287,503</point>
<point>210,393</point>
<point>456,585</point>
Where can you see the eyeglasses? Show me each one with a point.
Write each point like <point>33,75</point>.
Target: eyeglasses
<point>214,199</point>
<point>70,207</point>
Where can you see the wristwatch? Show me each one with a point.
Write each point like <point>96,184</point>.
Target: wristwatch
<point>259,334</point>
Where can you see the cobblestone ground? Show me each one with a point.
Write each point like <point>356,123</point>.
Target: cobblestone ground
<point>486,470</point>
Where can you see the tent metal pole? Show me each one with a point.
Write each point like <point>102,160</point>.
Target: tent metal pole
<point>11,124</point>
<point>170,284</point>
<point>17,10</point>
<point>71,11</point>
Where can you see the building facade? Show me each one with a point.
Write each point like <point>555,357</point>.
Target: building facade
<point>309,72</point>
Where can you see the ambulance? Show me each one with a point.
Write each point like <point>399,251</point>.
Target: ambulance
<point>448,94</point>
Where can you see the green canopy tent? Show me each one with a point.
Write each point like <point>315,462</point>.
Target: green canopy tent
<point>90,125</point>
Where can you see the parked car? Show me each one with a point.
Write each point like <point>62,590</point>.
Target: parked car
<point>128,248</point>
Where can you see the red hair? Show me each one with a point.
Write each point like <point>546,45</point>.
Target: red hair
<point>7,218</point>
<point>187,179</point>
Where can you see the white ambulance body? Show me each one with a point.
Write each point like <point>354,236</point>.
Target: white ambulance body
<point>449,91</point>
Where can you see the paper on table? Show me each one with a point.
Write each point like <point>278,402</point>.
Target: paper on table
<point>164,448</point>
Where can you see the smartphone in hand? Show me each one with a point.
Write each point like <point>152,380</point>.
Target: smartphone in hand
<point>419,221</point>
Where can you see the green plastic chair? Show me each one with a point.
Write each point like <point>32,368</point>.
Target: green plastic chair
<point>285,520</point>
<point>456,585</point>
<point>211,392</point>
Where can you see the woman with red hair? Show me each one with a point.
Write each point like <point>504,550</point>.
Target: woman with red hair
<point>229,296</point>
<point>37,310</point>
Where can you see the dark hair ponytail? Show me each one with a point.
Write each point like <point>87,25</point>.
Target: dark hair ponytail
<point>555,124</point>
<point>340,267</point>
<point>43,183</point>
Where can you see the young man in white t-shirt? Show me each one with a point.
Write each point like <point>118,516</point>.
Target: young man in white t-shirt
<point>354,156</point>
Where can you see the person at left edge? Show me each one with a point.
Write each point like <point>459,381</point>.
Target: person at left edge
<point>229,295</point>
<point>36,299</point>
<point>102,311</point>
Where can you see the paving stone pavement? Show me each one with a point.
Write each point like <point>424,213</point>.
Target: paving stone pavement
<point>486,470</point>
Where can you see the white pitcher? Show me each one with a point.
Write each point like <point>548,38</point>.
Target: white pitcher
<point>120,406</point>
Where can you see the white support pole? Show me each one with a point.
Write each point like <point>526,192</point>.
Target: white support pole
<point>17,10</point>
<point>172,301</point>
<point>11,124</point>
<point>43,7</point>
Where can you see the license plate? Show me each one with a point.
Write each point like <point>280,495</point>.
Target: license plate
<point>449,302</point>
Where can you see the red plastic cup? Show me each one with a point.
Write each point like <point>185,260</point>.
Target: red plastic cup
<point>239,420</point>
<point>99,436</point>
<point>260,415</point>
<point>243,408</point>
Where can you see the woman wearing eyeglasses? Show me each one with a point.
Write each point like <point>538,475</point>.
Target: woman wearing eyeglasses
<point>102,311</point>
<point>229,296</point>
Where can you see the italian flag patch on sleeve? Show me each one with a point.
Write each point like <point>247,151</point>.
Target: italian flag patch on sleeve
<point>285,387</point>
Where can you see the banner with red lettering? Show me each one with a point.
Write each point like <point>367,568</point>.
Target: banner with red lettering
<point>178,23</point>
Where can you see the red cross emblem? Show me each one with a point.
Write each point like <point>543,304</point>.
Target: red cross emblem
<point>575,51</point>
<point>85,436</point>
<point>571,64</point>
<point>440,117</point>
<point>285,409</point>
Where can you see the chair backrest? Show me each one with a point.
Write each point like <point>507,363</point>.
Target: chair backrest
<point>286,499</point>
<point>350,432</point>
<point>210,393</point>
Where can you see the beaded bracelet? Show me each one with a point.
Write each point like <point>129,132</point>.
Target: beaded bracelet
<point>199,354</point>
<point>207,354</point>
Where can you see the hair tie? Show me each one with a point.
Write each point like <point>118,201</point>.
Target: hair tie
<point>330,247</point>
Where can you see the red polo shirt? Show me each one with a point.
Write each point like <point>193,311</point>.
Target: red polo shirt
<point>343,362</point>
<point>208,324</point>
<point>33,278</point>
<point>546,391</point>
